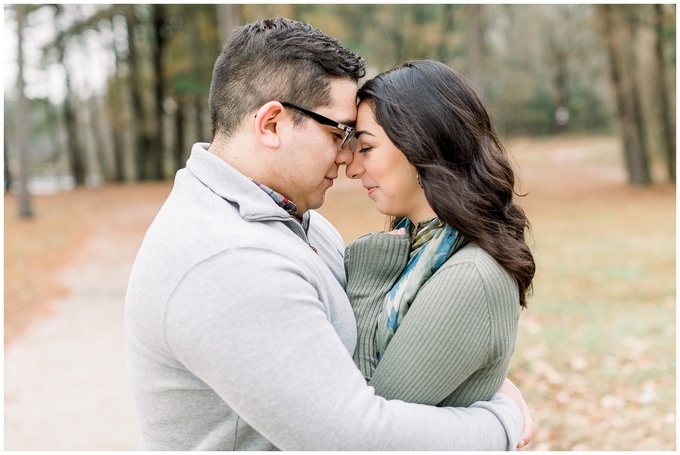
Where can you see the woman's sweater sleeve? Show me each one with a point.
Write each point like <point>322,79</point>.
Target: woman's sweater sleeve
<point>373,263</point>
<point>455,344</point>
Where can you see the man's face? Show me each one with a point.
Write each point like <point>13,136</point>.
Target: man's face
<point>315,153</point>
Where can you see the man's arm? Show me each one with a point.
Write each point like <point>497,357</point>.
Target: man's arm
<point>259,337</point>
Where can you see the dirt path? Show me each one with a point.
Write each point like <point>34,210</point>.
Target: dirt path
<point>65,377</point>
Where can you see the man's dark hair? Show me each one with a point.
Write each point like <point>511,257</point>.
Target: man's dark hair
<point>276,59</point>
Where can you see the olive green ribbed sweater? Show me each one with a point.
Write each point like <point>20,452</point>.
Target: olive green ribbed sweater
<point>455,343</point>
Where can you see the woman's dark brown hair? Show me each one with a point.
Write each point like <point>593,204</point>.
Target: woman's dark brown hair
<point>434,116</point>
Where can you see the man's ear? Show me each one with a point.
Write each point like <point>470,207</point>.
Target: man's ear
<point>267,124</point>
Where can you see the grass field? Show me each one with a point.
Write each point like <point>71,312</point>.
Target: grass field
<point>595,357</point>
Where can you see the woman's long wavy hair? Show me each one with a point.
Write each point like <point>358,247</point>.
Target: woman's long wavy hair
<point>433,115</point>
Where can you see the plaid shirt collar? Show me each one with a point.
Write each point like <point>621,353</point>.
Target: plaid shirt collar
<point>286,204</point>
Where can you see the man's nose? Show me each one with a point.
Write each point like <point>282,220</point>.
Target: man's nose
<point>345,156</point>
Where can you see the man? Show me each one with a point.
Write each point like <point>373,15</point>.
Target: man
<point>239,333</point>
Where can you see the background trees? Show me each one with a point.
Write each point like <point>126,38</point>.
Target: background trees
<point>119,92</point>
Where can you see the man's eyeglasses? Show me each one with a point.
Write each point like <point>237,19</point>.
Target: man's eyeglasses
<point>348,130</point>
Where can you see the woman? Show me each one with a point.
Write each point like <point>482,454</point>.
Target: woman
<point>438,304</point>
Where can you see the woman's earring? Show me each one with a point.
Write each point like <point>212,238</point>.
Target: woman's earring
<point>418,179</point>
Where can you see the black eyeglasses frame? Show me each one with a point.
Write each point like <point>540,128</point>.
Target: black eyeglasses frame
<point>348,130</point>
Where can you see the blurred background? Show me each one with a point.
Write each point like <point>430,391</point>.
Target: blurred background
<point>103,102</point>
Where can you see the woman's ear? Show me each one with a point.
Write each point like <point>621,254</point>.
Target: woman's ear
<point>267,124</point>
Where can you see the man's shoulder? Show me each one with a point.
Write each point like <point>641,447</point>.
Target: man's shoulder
<point>321,228</point>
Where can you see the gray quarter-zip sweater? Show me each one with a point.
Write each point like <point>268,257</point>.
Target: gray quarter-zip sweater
<point>240,337</point>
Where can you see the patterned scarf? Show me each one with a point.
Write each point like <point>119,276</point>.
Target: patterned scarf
<point>432,243</point>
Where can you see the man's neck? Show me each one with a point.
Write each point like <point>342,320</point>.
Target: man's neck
<point>240,154</point>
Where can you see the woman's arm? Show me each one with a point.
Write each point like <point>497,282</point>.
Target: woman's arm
<point>372,263</point>
<point>450,339</point>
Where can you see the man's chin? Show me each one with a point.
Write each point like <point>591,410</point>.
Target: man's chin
<point>317,203</point>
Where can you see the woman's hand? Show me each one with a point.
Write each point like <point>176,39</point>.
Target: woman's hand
<point>509,389</point>
<point>400,231</point>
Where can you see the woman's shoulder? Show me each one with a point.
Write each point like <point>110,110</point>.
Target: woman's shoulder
<point>474,272</point>
<point>472,253</point>
<point>487,269</point>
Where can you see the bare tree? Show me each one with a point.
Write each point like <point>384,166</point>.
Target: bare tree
<point>75,151</point>
<point>558,53</point>
<point>228,18</point>
<point>158,12</point>
<point>475,36</point>
<point>143,144</point>
<point>660,70</point>
<point>115,105</point>
<point>617,34</point>
<point>7,173</point>
<point>25,209</point>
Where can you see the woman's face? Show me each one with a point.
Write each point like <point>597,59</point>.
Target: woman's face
<point>385,172</point>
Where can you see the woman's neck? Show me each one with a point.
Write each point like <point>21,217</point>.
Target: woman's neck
<point>424,213</point>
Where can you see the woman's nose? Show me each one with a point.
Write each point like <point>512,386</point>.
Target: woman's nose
<point>354,169</point>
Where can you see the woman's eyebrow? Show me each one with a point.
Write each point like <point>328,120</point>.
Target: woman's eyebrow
<point>359,133</point>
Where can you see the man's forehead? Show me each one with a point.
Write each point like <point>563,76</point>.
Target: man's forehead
<point>344,105</point>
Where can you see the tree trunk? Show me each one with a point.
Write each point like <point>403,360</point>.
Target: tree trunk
<point>447,26</point>
<point>118,156</point>
<point>228,19</point>
<point>159,93</point>
<point>667,131</point>
<point>142,141</point>
<point>561,84</point>
<point>475,35</point>
<point>621,77</point>
<point>76,153</point>
<point>95,111</point>
<point>179,134</point>
<point>25,210</point>
<point>115,103</point>
<point>641,171</point>
<point>398,32</point>
<point>200,127</point>
<point>8,174</point>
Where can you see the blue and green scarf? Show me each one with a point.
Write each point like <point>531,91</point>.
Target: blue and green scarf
<point>432,243</point>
